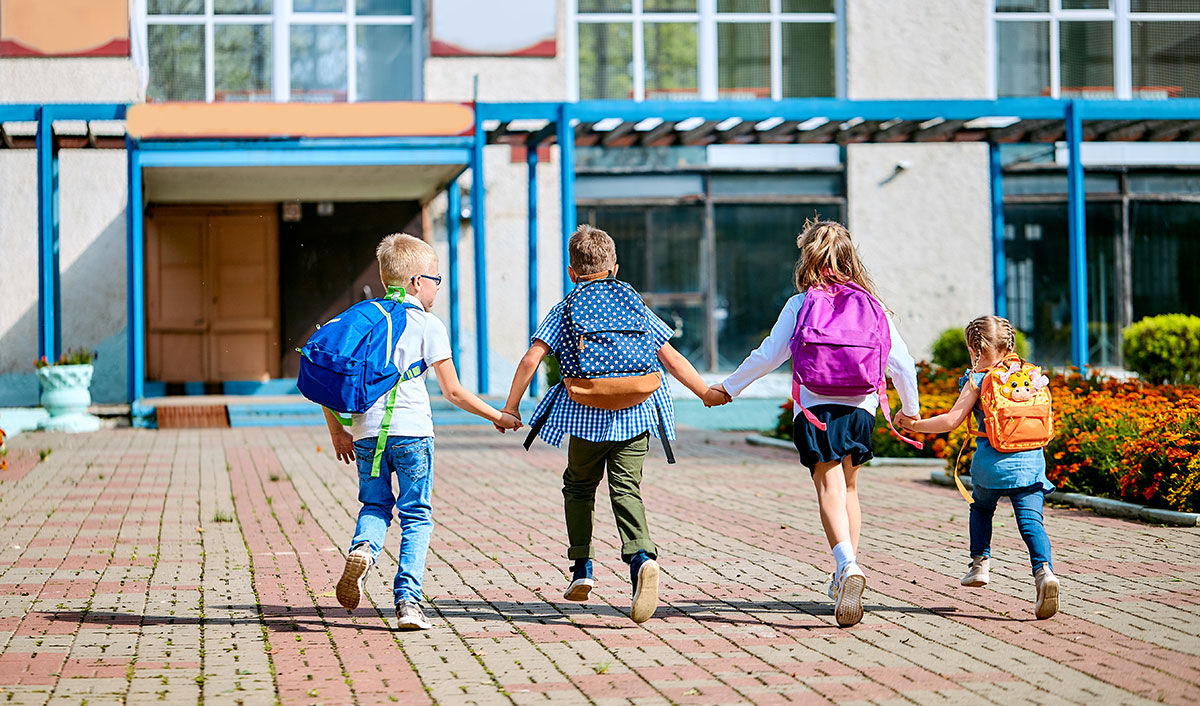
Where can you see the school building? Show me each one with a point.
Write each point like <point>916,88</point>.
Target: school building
<point>188,186</point>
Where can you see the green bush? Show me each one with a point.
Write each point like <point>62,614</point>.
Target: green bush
<point>1164,349</point>
<point>950,349</point>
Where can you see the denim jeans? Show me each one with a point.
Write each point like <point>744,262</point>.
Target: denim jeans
<point>1027,505</point>
<point>410,459</point>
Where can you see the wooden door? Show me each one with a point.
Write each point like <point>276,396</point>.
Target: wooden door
<point>212,294</point>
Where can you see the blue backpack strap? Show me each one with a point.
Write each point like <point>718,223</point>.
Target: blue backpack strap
<point>415,370</point>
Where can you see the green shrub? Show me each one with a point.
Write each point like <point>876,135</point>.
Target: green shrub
<point>950,349</point>
<point>1164,349</point>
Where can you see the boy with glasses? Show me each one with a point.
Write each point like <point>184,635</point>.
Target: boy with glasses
<point>407,267</point>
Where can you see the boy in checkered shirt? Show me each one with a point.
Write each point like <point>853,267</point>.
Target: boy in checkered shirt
<point>617,439</point>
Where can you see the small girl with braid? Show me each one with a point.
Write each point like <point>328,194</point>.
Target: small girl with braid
<point>1020,475</point>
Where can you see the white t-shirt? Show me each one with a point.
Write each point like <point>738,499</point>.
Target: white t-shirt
<point>776,348</point>
<point>424,338</point>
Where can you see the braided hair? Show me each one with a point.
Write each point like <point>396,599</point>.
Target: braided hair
<point>990,333</point>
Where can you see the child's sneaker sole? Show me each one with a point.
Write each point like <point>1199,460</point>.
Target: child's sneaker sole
<point>976,583</point>
<point>849,608</point>
<point>412,625</point>
<point>349,587</point>
<point>579,590</point>
<point>645,598</point>
<point>1047,607</point>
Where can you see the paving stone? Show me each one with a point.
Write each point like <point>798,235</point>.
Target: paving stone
<point>147,567</point>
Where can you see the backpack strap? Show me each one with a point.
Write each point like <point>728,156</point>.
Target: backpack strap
<point>887,416</point>
<point>415,370</point>
<point>962,489</point>
<point>536,425</point>
<point>662,434</point>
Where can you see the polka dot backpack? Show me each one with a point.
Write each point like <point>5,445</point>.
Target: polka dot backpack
<point>608,357</point>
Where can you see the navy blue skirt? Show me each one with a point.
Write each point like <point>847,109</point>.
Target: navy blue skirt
<point>847,433</point>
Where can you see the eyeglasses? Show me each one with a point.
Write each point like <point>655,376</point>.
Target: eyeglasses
<point>437,280</point>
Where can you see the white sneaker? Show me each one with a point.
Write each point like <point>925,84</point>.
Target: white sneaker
<point>645,593</point>
<point>409,616</point>
<point>847,606</point>
<point>1047,593</point>
<point>350,586</point>
<point>831,591</point>
<point>979,574</point>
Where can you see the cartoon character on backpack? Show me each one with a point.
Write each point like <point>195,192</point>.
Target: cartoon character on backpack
<point>1019,385</point>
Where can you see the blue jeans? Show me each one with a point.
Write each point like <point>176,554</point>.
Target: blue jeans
<point>410,459</point>
<point>1027,505</point>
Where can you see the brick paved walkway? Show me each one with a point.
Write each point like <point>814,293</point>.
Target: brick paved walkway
<point>199,566</point>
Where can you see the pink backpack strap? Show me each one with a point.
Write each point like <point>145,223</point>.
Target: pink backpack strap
<point>887,415</point>
<point>807,414</point>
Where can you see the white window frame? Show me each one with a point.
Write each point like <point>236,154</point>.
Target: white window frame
<point>281,20</point>
<point>1120,14</point>
<point>706,18</point>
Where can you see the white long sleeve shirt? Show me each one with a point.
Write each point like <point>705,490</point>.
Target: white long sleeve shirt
<point>776,348</point>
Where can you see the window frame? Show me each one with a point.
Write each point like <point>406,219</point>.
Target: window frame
<point>706,18</point>
<point>1120,14</point>
<point>280,21</point>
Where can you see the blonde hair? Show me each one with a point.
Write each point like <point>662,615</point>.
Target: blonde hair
<point>828,256</point>
<point>591,250</point>
<point>401,257</point>
<point>990,333</point>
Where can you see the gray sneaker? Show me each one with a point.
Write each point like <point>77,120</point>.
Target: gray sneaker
<point>350,586</point>
<point>1047,593</point>
<point>979,574</point>
<point>410,617</point>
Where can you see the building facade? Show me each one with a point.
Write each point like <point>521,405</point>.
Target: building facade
<point>241,261</point>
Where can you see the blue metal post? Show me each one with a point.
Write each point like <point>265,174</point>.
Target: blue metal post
<point>999,262</point>
<point>1077,237</point>
<point>49,290</point>
<point>566,166</point>
<point>453,223</point>
<point>531,158</point>
<point>478,219</point>
<point>135,274</point>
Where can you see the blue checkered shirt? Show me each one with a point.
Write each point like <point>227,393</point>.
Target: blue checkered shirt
<point>570,417</point>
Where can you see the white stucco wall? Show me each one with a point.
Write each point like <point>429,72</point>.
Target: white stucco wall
<point>917,48</point>
<point>18,273</point>
<point>69,80</point>
<point>91,259</point>
<point>503,79</point>
<point>924,232</point>
<point>507,258</point>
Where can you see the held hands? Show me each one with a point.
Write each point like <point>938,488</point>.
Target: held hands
<point>716,396</point>
<point>343,445</point>
<point>510,420</point>
<point>905,422</point>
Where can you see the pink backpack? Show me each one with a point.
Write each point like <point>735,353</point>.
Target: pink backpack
<point>840,348</point>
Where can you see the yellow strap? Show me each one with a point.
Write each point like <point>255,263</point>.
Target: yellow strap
<point>962,489</point>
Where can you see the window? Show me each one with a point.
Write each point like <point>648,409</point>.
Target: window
<point>706,49</point>
<point>281,50</point>
<point>719,281</point>
<point>1098,48</point>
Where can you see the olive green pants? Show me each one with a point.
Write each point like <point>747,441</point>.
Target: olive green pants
<point>586,463</point>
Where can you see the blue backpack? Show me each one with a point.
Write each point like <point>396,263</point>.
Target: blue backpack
<point>608,357</point>
<point>348,363</point>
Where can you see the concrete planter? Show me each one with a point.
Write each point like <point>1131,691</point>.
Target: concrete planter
<point>66,395</point>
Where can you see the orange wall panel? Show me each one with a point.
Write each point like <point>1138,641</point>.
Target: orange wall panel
<point>64,28</point>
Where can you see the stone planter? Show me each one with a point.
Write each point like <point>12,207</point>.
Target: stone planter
<point>66,396</point>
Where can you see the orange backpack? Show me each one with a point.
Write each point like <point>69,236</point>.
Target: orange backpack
<point>1015,400</point>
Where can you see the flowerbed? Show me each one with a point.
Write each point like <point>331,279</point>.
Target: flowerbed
<point>1125,440</point>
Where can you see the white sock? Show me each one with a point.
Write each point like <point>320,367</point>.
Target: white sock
<point>843,554</point>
